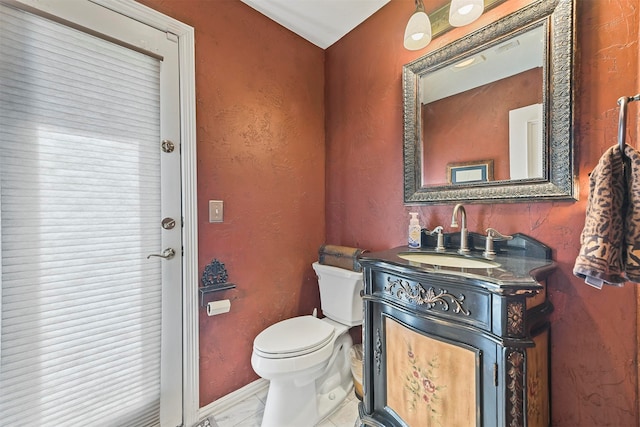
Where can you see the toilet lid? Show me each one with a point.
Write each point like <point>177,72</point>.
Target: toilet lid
<point>293,337</point>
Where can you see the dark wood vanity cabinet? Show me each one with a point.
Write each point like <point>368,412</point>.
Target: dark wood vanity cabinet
<point>455,347</point>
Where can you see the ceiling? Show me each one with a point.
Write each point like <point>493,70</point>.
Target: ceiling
<point>322,22</point>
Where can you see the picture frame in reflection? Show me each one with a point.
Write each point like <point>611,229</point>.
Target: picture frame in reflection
<point>470,172</point>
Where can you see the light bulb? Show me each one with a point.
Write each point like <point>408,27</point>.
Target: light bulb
<point>465,9</point>
<point>464,12</point>
<point>465,63</point>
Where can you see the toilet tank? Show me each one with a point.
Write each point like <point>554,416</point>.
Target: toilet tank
<point>340,294</point>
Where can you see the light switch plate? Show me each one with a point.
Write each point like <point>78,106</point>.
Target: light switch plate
<point>216,211</point>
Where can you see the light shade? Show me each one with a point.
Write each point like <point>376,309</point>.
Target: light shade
<point>418,32</point>
<point>464,12</point>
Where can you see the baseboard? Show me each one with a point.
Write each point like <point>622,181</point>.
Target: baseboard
<point>233,398</point>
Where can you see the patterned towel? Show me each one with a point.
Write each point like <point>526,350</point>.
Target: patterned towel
<point>632,219</point>
<point>610,251</point>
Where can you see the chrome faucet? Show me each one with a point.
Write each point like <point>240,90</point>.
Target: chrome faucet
<point>464,247</point>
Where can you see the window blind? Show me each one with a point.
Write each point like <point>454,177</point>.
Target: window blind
<point>80,202</point>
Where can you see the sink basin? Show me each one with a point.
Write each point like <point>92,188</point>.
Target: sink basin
<point>448,260</point>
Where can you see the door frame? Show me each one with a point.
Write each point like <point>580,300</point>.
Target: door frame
<point>190,275</point>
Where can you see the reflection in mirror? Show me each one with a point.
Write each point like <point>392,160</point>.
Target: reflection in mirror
<point>489,116</point>
<point>499,90</point>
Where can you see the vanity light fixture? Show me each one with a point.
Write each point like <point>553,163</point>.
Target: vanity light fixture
<point>417,35</point>
<point>464,12</point>
<point>474,60</point>
<point>508,46</point>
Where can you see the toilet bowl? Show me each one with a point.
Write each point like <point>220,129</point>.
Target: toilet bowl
<point>306,359</point>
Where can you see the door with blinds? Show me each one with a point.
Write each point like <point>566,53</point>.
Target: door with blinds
<point>90,224</point>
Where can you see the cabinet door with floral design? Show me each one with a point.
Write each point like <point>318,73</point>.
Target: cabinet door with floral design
<point>430,382</point>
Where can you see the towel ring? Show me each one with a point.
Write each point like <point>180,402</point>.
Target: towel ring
<point>622,120</point>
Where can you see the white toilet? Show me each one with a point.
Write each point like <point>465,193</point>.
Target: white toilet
<point>306,359</point>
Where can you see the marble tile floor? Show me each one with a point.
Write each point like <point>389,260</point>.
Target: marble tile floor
<point>248,413</point>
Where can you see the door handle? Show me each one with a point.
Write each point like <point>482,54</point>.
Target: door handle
<point>166,254</point>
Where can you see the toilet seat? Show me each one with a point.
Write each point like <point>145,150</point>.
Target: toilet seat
<point>293,337</point>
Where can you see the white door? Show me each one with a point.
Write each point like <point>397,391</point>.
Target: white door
<point>90,324</point>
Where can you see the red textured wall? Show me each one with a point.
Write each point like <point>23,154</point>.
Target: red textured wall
<point>260,148</point>
<point>594,344</point>
<point>485,107</point>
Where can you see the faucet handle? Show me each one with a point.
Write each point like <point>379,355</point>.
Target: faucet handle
<point>440,242</point>
<point>493,234</point>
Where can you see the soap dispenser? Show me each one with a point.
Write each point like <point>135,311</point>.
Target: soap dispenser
<point>414,231</point>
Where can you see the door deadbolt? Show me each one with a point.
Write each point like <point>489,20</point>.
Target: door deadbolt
<point>167,146</point>
<point>168,223</point>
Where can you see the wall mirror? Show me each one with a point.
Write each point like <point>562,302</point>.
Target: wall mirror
<point>489,117</point>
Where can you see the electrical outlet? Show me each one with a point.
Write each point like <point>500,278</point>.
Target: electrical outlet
<point>216,210</point>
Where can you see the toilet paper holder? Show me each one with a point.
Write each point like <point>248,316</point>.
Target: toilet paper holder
<point>214,279</point>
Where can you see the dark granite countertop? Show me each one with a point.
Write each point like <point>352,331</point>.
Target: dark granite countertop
<point>510,270</point>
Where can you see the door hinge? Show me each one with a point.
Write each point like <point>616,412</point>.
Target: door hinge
<point>495,374</point>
